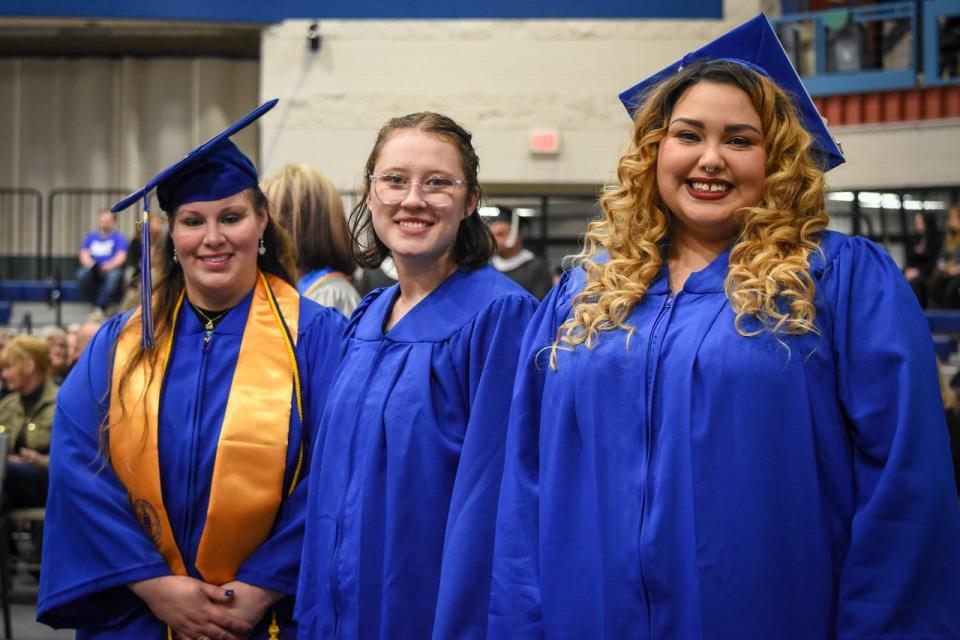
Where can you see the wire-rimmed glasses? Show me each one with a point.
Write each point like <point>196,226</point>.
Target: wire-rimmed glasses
<point>437,191</point>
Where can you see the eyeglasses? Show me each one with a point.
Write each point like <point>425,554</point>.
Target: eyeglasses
<point>437,191</point>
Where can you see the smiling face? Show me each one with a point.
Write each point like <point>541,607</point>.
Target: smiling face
<point>417,232</point>
<point>57,350</point>
<point>711,162</point>
<point>216,245</point>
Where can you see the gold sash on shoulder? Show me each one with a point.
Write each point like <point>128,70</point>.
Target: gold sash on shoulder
<point>247,485</point>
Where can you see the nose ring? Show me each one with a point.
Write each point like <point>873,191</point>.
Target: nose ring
<point>711,170</point>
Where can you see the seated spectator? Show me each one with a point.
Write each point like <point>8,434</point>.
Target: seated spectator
<point>131,299</point>
<point>309,206</point>
<point>135,253</point>
<point>78,336</point>
<point>515,262</point>
<point>4,336</point>
<point>58,352</point>
<point>103,255</point>
<point>86,332</point>
<point>72,329</point>
<point>943,288</point>
<point>951,406</point>
<point>26,416</point>
<point>923,250</point>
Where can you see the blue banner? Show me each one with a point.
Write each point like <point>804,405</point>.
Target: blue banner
<point>266,12</point>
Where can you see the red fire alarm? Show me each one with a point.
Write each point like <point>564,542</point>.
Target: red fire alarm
<point>544,142</point>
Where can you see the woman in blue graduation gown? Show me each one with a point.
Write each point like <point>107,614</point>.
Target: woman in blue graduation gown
<point>178,471</point>
<point>733,427</point>
<point>406,475</point>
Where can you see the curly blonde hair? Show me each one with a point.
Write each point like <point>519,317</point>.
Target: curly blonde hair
<point>767,279</point>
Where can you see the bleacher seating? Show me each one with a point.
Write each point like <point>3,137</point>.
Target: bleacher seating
<point>29,301</point>
<point>37,291</point>
<point>945,327</point>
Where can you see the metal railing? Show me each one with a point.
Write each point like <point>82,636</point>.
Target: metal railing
<point>21,228</point>
<point>881,47</point>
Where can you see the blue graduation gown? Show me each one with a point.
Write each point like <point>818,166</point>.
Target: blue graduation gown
<point>405,481</point>
<point>93,543</point>
<point>693,483</point>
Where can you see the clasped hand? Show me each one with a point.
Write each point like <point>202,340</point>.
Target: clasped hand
<point>29,456</point>
<point>195,609</point>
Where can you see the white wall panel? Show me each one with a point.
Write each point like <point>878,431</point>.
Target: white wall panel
<point>112,123</point>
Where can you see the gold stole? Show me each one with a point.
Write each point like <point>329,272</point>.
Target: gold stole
<point>247,485</point>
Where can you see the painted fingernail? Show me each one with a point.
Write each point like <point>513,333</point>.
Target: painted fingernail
<point>228,593</point>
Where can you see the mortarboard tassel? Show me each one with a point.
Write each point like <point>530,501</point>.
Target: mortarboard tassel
<point>146,278</point>
<point>514,229</point>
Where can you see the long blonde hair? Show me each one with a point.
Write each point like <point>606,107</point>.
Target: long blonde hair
<point>768,277</point>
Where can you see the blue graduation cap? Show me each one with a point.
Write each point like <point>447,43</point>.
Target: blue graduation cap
<point>753,44</point>
<point>214,170</point>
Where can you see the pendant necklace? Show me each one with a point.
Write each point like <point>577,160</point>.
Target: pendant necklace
<point>210,322</point>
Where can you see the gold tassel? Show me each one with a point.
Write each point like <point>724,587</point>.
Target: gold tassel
<point>274,628</point>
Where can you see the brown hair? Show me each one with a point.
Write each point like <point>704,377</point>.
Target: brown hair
<point>474,244</point>
<point>277,260</point>
<point>310,209</point>
<point>767,278</point>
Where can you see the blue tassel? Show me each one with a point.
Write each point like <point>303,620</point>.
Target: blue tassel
<point>146,279</point>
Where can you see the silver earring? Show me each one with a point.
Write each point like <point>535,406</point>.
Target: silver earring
<point>175,258</point>
<point>262,250</point>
